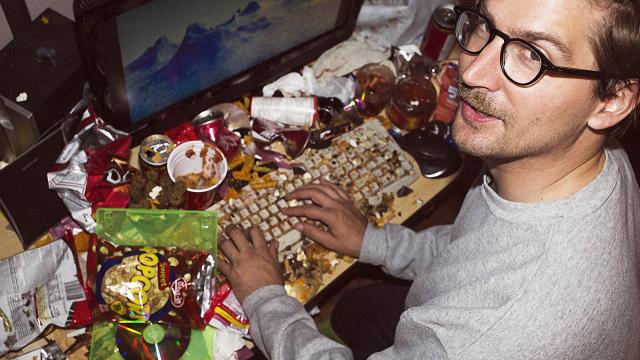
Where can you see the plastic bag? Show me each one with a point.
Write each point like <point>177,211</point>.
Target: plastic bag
<point>165,257</point>
<point>92,170</point>
<point>41,287</point>
<point>146,283</point>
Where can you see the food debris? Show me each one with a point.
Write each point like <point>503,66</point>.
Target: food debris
<point>404,191</point>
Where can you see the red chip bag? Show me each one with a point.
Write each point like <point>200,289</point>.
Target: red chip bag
<point>149,283</point>
<point>92,170</point>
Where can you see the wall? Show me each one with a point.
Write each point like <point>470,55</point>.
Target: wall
<point>36,7</point>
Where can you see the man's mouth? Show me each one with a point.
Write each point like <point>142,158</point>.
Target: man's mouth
<point>474,115</point>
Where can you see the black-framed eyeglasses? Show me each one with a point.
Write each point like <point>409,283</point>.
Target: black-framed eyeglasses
<point>521,62</point>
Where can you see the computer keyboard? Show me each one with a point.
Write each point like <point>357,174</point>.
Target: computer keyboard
<point>365,162</point>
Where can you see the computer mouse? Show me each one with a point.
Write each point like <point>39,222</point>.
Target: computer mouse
<point>434,155</point>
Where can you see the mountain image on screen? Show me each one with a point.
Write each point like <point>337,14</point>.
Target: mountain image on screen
<point>166,73</point>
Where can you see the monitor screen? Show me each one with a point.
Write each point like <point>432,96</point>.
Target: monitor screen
<point>189,45</point>
<point>151,61</point>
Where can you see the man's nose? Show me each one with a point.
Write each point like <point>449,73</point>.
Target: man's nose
<point>483,70</point>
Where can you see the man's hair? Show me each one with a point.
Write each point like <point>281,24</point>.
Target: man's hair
<point>616,45</point>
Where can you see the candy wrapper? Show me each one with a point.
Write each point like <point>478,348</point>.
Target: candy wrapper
<point>226,311</point>
<point>34,297</point>
<point>149,283</point>
<point>93,170</point>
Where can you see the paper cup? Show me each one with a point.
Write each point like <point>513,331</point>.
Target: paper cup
<point>198,163</point>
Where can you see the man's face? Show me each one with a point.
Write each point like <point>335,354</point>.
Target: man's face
<point>501,120</point>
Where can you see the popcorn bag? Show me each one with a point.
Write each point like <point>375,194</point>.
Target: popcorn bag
<point>149,283</point>
<point>152,265</point>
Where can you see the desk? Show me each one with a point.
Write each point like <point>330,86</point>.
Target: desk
<point>421,200</point>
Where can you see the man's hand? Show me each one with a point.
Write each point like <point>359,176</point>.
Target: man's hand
<point>250,266</point>
<point>334,208</point>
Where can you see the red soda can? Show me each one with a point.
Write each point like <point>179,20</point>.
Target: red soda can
<point>210,125</point>
<point>449,98</point>
<point>439,38</point>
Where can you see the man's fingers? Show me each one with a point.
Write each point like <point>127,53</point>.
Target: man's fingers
<point>238,237</point>
<point>337,189</point>
<point>229,249</point>
<point>309,211</point>
<point>313,193</point>
<point>273,249</point>
<point>315,233</point>
<point>257,238</point>
<point>326,190</point>
<point>225,267</point>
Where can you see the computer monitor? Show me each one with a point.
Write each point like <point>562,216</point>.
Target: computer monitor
<point>153,64</point>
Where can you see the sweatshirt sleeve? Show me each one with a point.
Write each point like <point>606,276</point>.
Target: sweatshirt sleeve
<point>402,252</point>
<point>282,329</point>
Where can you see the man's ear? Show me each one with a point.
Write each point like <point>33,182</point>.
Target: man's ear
<point>615,108</point>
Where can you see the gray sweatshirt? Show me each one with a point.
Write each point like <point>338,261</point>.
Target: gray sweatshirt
<point>551,280</point>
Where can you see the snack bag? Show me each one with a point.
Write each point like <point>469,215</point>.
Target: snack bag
<point>153,265</point>
<point>41,287</point>
<point>226,311</point>
<point>93,170</point>
<point>150,283</point>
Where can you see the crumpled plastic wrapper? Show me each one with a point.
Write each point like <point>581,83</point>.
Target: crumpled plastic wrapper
<point>226,344</point>
<point>92,171</point>
<point>308,83</point>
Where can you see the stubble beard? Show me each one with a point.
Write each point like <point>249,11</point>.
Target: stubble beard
<point>480,140</point>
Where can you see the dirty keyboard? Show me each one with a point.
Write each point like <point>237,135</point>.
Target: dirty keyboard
<point>364,162</point>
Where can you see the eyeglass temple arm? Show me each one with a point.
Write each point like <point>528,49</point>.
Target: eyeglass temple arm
<point>580,72</point>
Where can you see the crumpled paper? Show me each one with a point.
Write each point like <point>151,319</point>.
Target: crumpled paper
<point>348,56</point>
<point>295,85</point>
<point>226,344</point>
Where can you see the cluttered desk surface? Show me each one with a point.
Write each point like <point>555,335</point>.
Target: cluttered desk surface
<point>304,286</point>
<point>364,161</point>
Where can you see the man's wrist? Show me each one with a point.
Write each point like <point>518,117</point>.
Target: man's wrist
<point>373,245</point>
<point>260,295</point>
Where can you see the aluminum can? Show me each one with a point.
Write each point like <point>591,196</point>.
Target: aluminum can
<point>154,152</point>
<point>208,124</point>
<point>211,125</point>
<point>439,38</point>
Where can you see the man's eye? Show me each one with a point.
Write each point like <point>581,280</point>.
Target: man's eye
<point>529,55</point>
<point>482,28</point>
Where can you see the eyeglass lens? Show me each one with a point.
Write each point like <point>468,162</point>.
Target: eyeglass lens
<point>520,63</point>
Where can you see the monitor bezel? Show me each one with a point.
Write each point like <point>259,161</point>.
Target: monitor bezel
<point>99,45</point>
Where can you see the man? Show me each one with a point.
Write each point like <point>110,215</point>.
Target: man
<point>542,261</point>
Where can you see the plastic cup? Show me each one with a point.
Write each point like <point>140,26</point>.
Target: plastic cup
<point>198,158</point>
